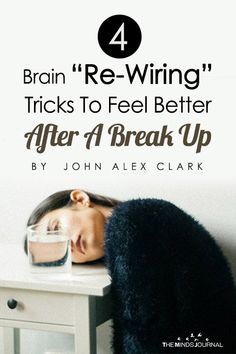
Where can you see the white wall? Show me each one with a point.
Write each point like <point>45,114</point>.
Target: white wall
<point>213,203</point>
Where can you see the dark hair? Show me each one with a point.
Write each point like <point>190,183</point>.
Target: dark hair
<point>62,199</point>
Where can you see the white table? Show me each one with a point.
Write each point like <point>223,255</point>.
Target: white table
<point>73,304</point>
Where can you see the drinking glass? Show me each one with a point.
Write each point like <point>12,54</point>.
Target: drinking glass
<point>48,251</point>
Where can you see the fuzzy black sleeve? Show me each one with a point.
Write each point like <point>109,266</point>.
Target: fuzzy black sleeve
<point>169,280</point>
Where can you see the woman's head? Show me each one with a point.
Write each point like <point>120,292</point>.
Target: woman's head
<point>83,214</point>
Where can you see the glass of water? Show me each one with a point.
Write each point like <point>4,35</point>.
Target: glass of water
<point>48,251</point>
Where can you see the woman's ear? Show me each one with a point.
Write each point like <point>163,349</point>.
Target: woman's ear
<point>78,196</point>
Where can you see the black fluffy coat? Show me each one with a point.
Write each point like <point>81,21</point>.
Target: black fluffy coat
<point>169,279</point>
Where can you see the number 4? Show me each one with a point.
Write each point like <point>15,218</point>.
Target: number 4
<point>122,42</point>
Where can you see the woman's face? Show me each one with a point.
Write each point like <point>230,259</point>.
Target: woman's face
<point>86,229</point>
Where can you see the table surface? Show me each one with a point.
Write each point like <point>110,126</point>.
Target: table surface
<point>85,279</point>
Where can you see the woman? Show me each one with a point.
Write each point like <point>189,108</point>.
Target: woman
<point>83,214</point>
<point>170,280</point>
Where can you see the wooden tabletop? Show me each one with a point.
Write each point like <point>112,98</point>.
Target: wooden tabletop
<point>84,279</point>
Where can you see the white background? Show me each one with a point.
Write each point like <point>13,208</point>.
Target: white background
<point>41,35</point>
